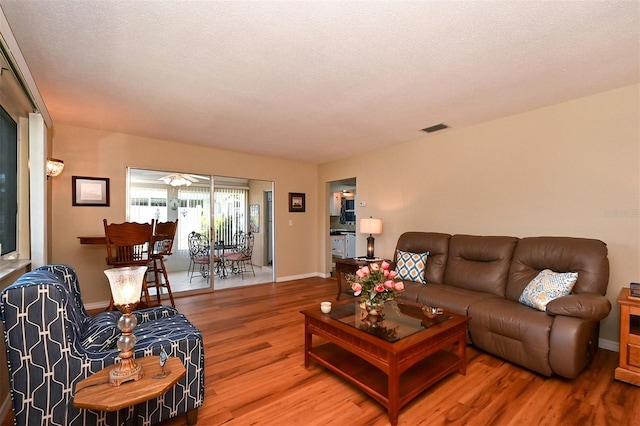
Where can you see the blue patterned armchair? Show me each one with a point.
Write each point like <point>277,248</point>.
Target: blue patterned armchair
<point>53,343</point>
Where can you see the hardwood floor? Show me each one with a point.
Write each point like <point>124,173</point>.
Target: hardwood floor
<point>255,375</point>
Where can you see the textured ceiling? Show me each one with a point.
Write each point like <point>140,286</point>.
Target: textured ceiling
<point>316,80</point>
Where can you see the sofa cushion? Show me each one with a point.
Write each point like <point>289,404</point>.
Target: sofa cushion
<point>561,254</point>
<point>480,263</point>
<point>512,331</point>
<point>434,243</point>
<point>411,266</point>
<point>450,298</point>
<point>101,332</point>
<point>547,286</point>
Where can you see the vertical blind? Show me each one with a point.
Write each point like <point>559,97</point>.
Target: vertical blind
<point>194,213</point>
<point>230,212</point>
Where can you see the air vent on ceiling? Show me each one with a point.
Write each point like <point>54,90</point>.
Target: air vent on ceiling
<point>435,128</point>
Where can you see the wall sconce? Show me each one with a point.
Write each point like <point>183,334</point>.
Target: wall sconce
<point>370,226</point>
<point>54,167</point>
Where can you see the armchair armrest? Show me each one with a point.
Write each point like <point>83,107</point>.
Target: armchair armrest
<point>589,306</point>
<point>152,314</point>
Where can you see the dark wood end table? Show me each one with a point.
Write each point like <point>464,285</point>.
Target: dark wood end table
<point>395,369</point>
<point>350,266</point>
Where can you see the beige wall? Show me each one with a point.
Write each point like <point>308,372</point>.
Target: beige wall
<point>95,153</point>
<point>571,169</point>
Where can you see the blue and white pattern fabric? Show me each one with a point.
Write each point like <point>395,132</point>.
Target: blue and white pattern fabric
<point>53,343</point>
<point>547,286</point>
<point>412,266</point>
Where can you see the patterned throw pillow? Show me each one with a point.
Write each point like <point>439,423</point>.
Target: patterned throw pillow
<point>412,266</point>
<point>547,286</point>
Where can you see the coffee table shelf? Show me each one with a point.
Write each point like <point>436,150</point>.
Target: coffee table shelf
<point>412,382</point>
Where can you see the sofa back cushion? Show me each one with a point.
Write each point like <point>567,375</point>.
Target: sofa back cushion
<point>480,263</point>
<point>587,257</point>
<point>434,243</point>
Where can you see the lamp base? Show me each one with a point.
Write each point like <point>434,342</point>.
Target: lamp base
<point>118,375</point>
<point>370,246</point>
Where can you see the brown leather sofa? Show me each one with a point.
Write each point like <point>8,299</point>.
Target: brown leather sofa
<point>483,277</point>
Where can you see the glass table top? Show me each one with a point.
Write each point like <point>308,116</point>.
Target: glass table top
<point>393,325</point>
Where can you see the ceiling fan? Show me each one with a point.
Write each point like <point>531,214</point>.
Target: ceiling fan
<point>179,179</point>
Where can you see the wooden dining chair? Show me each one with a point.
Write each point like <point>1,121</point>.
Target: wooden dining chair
<point>163,237</point>
<point>129,244</point>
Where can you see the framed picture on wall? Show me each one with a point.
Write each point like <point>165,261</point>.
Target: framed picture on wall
<point>254,218</point>
<point>90,191</point>
<point>296,202</point>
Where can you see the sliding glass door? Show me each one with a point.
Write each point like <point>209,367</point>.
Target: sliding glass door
<point>214,206</point>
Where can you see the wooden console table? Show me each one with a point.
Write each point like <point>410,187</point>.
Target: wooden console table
<point>93,239</point>
<point>349,266</point>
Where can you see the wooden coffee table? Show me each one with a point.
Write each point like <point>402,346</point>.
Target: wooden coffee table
<point>410,352</point>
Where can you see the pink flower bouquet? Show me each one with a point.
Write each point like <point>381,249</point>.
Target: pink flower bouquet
<point>375,284</point>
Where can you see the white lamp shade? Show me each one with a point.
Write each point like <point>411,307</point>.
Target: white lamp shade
<point>126,284</point>
<point>371,226</point>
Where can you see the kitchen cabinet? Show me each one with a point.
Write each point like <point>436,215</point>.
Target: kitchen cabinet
<point>343,246</point>
<point>350,245</point>
<point>335,204</point>
<point>338,246</point>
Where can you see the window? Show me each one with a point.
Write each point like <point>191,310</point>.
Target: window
<point>230,212</point>
<point>148,202</point>
<point>8,183</point>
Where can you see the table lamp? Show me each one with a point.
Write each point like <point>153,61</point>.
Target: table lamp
<point>370,226</point>
<point>126,286</point>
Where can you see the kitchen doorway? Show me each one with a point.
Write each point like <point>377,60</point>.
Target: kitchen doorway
<point>342,220</point>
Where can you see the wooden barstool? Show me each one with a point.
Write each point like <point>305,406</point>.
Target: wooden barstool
<point>163,237</point>
<point>129,244</point>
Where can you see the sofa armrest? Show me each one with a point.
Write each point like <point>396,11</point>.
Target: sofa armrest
<point>588,306</point>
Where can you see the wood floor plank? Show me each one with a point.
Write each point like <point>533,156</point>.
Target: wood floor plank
<point>255,375</point>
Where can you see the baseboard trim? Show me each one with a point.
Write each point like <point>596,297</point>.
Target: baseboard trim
<point>96,305</point>
<point>299,277</point>
<point>609,345</point>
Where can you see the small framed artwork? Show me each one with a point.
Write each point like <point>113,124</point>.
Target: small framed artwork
<point>90,191</point>
<point>296,202</point>
<point>254,218</point>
